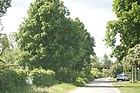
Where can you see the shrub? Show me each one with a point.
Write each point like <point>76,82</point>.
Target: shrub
<point>116,69</point>
<point>22,76</point>
<point>80,81</point>
<point>82,78</point>
<point>96,73</point>
<point>105,73</point>
<point>42,77</point>
<point>10,79</point>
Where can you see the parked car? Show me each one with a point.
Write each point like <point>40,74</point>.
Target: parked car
<point>123,77</point>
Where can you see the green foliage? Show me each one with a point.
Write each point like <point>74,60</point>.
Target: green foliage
<point>10,56</point>
<point>105,72</point>
<point>9,80</point>
<point>2,64</point>
<point>4,44</point>
<point>128,87</point>
<point>29,89</point>
<point>61,88</point>
<point>116,68</point>
<point>126,27</point>
<point>106,61</point>
<point>50,39</point>
<point>132,59</point>
<point>66,75</point>
<point>95,62</point>
<point>96,73</point>
<point>4,4</point>
<point>80,81</point>
<point>83,77</point>
<point>42,77</point>
<point>22,76</point>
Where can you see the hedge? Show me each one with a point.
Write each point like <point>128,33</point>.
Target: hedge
<point>10,79</point>
<point>42,77</point>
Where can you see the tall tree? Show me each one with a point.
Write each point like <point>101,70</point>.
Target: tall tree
<point>95,61</point>
<point>132,61</point>
<point>4,4</point>
<point>127,27</point>
<point>133,58</point>
<point>50,39</point>
<point>4,43</point>
<point>9,50</point>
<point>106,61</point>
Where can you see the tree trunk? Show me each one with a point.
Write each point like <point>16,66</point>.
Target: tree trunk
<point>132,74</point>
<point>135,74</point>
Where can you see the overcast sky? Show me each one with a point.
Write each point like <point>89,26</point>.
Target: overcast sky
<point>93,13</point>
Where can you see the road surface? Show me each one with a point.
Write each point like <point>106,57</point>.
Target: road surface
<point>101,85</point>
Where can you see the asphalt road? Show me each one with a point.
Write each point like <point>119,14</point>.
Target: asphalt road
<point>101,85</point>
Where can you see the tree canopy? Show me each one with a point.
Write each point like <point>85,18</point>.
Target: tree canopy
<point>106,61</point>
<point>49,38</point>
<point>132,59</point>
<point>4,5</point>
<point>127,27</point>
<point>4,43</point>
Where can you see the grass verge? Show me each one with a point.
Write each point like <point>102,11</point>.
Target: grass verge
<point>128,87</point>
<point>29,89</point>
<point>60,88</point>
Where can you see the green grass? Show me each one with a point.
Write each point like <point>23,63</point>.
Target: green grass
<point>129,87</point>
<point>60,88</point>
<point>30,89</point>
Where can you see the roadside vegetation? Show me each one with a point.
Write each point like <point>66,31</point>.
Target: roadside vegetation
<point>60,88</point>
<point>50,49</point>
<point>128,87</point>
<point>57,54</point>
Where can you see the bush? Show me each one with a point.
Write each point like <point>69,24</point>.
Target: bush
<point>105,73</point>
<point>66,75</point>
<point>80,81</point>
<point>42,77</point>
<point>7,80</point>
<point>22,76</point>
<point>10,79</point>
<point>96,73</point>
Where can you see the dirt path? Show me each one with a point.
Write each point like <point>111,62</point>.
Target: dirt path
<point>102,85</point>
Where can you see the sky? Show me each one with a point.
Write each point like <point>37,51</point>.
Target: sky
<point>93,13</point>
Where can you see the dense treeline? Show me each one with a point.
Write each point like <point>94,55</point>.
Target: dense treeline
<point>127,27</point>
<point>53,46</point>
